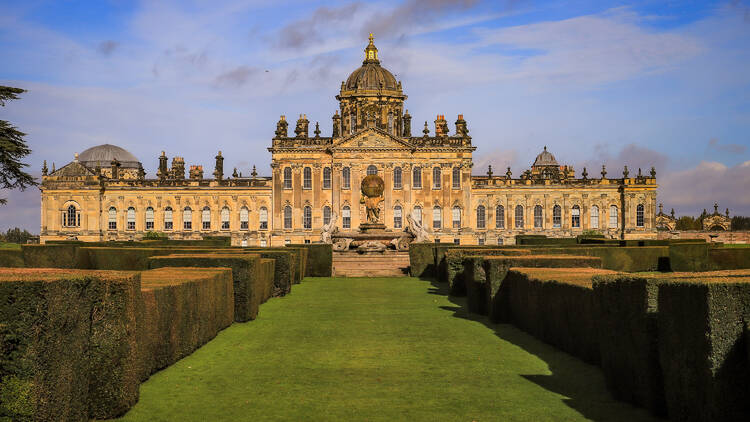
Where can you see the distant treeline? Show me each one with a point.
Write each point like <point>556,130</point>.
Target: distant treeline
<point>739,223</point>
<point>16,235</point>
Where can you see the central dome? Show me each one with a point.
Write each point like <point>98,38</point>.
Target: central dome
<point>371,76</point>
<point>102,155</point>
<point>545,158</point>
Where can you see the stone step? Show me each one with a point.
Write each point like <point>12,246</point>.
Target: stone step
<point>389,264</point>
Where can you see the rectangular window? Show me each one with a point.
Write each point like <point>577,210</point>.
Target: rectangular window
<point>456,241</point>
<point>575,216</point>
<point>417,178</point>
<point>263,218</point>
<point>397,218</point>
<point>346,218</point>
<point>326,178</point>
<point>500,241</point>
<point>263,242</point>
<point>307,241</point>
<point>436,218</point>
<point>613,217</point>
<point>168,219</point>
<point>481,241</point>
<point>456,178</point>
<point>346,178</point>
<point>307,178</point>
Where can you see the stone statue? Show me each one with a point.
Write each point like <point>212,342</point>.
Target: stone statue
<point>372,196</point>
<point>329,229</point>
<point>415,228</point>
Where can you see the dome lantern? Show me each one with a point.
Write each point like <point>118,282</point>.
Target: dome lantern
<point>371,52</point>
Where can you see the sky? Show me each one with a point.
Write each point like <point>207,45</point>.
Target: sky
<point>642,84</point>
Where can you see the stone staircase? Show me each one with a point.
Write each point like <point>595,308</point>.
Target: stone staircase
<point>387,264</point>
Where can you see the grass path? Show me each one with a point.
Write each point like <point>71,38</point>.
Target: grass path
<point>376,350</point>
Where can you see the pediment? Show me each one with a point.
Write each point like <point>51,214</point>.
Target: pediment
<point>73,169</point>
<point>371,139</point>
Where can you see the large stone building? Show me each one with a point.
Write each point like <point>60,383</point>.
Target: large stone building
<point>104,194</point>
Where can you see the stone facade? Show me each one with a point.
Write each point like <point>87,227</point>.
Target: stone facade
<point>313,177</point>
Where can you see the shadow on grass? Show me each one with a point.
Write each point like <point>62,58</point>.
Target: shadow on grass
<point>587,397</point>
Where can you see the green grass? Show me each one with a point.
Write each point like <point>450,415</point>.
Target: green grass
<point>376,350</point>
<point>736,245</point>
<point>6,245</point>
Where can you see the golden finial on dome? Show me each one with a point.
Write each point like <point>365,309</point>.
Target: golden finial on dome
<point>371,52</point>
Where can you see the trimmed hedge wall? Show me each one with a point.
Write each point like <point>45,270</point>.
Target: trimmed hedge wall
<point>49,256</point>
<point>182,309</point>
<point>297,264</point>
<point>689,257</point>
<point>76,359</point>
<point>455,269</point>
<point>703,348</point>
<point>251,283</point>
<point>422,260</point>
<point>627,335</point>
<point>285,270</point>
<point>729,258</point>
<point>319,259</point>
<point>630,259</point>
<point>11,258</point>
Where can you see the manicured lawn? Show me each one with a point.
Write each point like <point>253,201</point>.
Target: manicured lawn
<point>4,245</point>
<point>376,350</point>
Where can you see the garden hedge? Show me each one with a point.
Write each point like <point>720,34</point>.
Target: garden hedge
<point>628,338</point>
<point>285,270</point>
<point>630,259</point>
<point>11,258</point>
<point>703,348</point>
<point>252,285</point>
<point>319,258</point>
<point>49,256</point>
<point>298,263</point>
<point>422,260</point>
<point>182,309</point>
<point>729,258</point>
<point>485,290</point>
<point>68,343</point>
<point>134,258</point>
<point>689,257</point>
<point>454,264</point>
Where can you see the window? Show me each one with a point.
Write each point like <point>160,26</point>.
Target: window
<point>307,178</point>
<point>594,217</point>
<point>538,217</point>
<point>326,215</point>
<point>112,219</point>
<point>481,241</point>
<point>287,217</point>
<point>437,218</point>
<point>346,178</point>
<point>287,177</point>
<point>149,218</point>
<point>397,178</point>
<point>168,218</point>
<point>353,125</point>
<point>71,217</point>
<point>500,241</point>
<point>263,243</point>
<point>287,241</point>
<point>436,178</point>
<point>556,216</point>
<point>500,217</point>
<point>456,241</point>
<point>519,216</point>
<point>326,178</point>
<point>131,218</point>
<point>225,218</point>
<point>206,218</point>
<point>307,241</point>
<point>456,216</point>
<point>263,217</point>
<point>575,216</point>
<point>372,170</point>
<point>243,243</point>
<point>417,214</point>
<point>456,178</point>
<point>346,217</point>
<point>187,219</point>
<point>390,123</point>
<point>307,217</point>
<point>639,215</point>
<point>397,217</point>
<point>480,217</point>
<point>417,178</point>
<point>244,217</point>
<point>613,217</point>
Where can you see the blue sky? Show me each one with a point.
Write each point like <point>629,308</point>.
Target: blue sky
<point>647,83</point>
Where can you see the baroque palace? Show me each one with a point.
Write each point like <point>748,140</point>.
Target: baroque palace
<point>104,193</point>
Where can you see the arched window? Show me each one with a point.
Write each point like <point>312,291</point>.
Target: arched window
<point>149,218</point>
<point>639,215</point>
<point>244,218</point>
<point>263,217</point>
<point>287,217</point>
<point>326,215</point>
<point>287,177</point>
<point>346,217</point>
<point>390,123</point>
<point>480,217</point>
<point>575,216</point>
<point>417,178</point>
<point>556,216</point>
<point>436,175</point>
<point>326,178</point>
<point>437,218</point>
<point>397,178</point>
<point>519,216</point>
<point>456,216</point>
<point>307,217</point>
<point>371,169</point>
<point>456,178</point>
<point>613,217</point>
<point>307,178</point>
<point>206,218</point>
<point>187,219</point>
<point>168,223</point>
<point>594,217</point>
<point>500,217</point>
<point>112,218</point>
<point>417,214</point>
<point>346,178</point>
<point>71,217</point>
<point>225,218</point>
<point>538,217</point>
<point>397,217</point>
<point>131,218</point>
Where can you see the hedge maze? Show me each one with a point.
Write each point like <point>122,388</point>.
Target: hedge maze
<point>667,322</point>
<point>83,324</point>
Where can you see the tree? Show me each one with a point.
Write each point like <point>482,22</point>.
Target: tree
<point>16,235</point>
<point>740,223</point>
<point>688,223</point>
<point>12,149</point>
